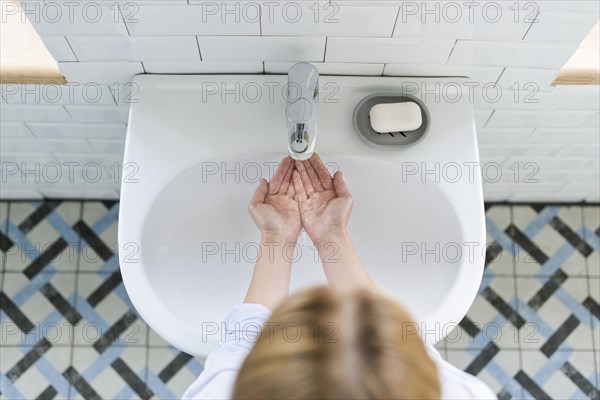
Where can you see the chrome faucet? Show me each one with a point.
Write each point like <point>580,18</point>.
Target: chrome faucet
<point>301,110</point>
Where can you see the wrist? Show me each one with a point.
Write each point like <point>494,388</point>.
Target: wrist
<point>281,238</point>
<point>333,236</point>
<point>276,246</point>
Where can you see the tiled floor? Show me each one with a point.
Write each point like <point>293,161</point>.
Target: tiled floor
<point>68,329</point>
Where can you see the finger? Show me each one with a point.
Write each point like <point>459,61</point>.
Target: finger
<point>285,183</point>
<point>322,171</point>
<point>314,178</point>
<point>259,194</point>
<point>340,186</point>
<point>279,175</point>
<point>308,187</point>
<point>291,192</point>
<point>299,187</point>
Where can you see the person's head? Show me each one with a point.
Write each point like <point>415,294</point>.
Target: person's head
<point>322,344</point>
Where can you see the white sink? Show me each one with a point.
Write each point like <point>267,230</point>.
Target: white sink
<point>187,243</point>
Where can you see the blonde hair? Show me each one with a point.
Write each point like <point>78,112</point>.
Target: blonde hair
<point>322,344</point>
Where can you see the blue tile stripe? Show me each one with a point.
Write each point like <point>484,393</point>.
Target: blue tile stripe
<point>158,386</point>
<point>27,248</point>
<point>9,390</point>
<point>555,262</point>
<point>502,377</point>
<point>574,306</point>
<point>500,237</point>
<point>543,218</point>
<point>481,339</point>
<point>532,317</point>
<point>59,224</point>
<point>106,220</point>
<point>32,287</point>
<point>591,238</point>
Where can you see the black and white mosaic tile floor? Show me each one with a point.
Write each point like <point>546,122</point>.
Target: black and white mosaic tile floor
<point>68,329</point>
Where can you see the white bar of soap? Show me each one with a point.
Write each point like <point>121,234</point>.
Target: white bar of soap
<point>395,117</point>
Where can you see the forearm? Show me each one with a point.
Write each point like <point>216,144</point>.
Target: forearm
<point>270,281</point>
<point>341,263</point>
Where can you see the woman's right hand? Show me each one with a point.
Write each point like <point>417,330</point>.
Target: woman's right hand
<point>325,202</point>
<point>273,207</point>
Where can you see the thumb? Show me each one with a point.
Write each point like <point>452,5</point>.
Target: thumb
<point>260,193</point>
<point>340,186</point>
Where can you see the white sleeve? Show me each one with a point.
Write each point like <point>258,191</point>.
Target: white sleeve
<point>456,383</point>
<point>222,365</point>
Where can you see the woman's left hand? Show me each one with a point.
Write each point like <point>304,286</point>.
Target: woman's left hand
<point>273,207</point>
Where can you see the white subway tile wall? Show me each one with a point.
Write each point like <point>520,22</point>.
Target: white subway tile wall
<point>266,48</point>
<point>327,68</point>
<point>74,130</point>
<point>98,114</point>
<point>561,26</point>
<point>203,67</point>
<point>209,18</point>
<point>388,50</point>
<point>135,48</point>
<point>458,20</point>
<point>511,54</point>
<point>74,18</point>
<point>485,75</point>
<point>499,136</point>
<point>33,112</point>
<point>540,78</point>
<point>311,18</point>
<point>59,48</point>
<point>87,93</point>
<point>15,129</point>
<point>542,141</point>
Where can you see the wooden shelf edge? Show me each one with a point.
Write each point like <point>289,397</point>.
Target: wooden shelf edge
<point>582,77</point>
<point>20,78</point>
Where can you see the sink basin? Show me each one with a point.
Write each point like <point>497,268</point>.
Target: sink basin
<point>188,245</point>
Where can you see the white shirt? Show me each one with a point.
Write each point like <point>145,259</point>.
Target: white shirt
<point>222,365</point>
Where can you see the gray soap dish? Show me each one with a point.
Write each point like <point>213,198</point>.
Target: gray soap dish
<point>362,123</point>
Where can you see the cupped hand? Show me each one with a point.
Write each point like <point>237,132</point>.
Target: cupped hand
<point>325,202</point>
<point>273,207</point>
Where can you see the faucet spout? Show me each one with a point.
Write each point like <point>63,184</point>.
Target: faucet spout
<point>301,110</point>
<point>299,132</point>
